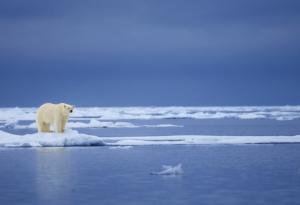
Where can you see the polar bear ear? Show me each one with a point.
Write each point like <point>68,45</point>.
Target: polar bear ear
<point>65,106</point>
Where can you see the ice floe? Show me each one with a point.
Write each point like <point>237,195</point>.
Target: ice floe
<point>170,170</point>
<point>93,123</point>
<point>121,147</point>
<point>67,139</point>
<point>123,113</point>
<point>74,138</point>
<point>198,140</point>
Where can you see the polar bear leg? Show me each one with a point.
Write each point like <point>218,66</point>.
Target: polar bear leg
<point>43,127</point>
<point>58,126</point>
<point>64,122</point>
<point>46,127</point>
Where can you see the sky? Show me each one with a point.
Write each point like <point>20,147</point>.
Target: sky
<point>150,52</point>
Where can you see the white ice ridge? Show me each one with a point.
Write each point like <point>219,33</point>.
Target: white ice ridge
<point>170,170</point>
<point>198,140</point>
<point>121,147</point>
<point>93,123</point>
<point>67,139</point>
<point>122,113</point>
<point>74,138</point>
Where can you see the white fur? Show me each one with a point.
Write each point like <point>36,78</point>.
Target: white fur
<point>55,115</point>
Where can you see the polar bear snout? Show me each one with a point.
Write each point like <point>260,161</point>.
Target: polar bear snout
<point>71,111</point>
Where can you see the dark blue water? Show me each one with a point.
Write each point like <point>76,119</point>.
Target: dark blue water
<point>246,174</point>
<point>230,126</point>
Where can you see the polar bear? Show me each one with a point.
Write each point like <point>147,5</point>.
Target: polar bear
<point>55,115</point>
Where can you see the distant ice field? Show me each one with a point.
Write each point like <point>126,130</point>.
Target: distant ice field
<point>133,126</point>
<point>125,113</point>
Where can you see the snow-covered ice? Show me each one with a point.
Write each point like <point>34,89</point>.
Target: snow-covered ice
<point>115,117</point>
<point>67,139</point>
<point>123,113</point>
<point>74,138</point>
<point>198,140</point>
<point>92,123</point>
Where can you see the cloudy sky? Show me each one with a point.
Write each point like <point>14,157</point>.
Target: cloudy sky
<point>149,52</point>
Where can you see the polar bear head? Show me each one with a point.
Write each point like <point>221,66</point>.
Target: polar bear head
<point>66,108</point>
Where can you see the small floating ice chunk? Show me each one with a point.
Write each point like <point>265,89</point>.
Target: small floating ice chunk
<point>121,147</point>
<point>170,170</point>
<point>162,125</point>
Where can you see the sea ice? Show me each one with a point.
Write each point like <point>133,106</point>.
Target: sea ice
<point>125,113</point>
<point>120,147</point>
<point>169,170</point>
<point>69,138</point>
<point>93,123</point>
<point>198,140</point>
<point>74,138</point>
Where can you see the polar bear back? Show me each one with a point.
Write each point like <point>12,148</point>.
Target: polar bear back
<point>47,112</point>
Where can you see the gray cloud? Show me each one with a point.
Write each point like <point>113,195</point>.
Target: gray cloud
<point>185,30</point>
